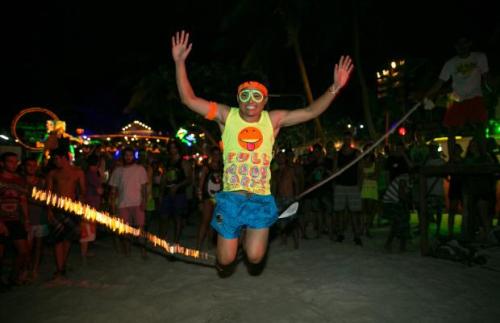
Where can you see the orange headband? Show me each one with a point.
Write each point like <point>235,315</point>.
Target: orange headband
<point>254,84</point>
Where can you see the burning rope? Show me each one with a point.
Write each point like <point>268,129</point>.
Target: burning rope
<point>116,224</point>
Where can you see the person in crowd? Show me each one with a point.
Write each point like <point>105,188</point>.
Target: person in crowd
<point>347,191</point>
<point>37,215</point>
<point>66,180</point>
<point>128,195</point>
<point>210,183</point>
<point>284,187</point>
<point>318,203</point>
<point>14,219</point>
<point>93,197</point>
<point>369,190</point>
<point>478,192</point>
<point>396,207</point>
<point>177,177</point>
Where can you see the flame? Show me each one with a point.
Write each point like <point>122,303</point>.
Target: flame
<point>113,223</point>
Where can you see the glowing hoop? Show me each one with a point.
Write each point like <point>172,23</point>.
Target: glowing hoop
<point>24,112</point>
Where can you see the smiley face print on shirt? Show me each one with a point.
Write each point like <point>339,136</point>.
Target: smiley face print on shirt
<point>250,138</point>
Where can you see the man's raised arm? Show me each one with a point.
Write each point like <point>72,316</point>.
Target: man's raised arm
<point>180,51</point>
<point>284,118</point>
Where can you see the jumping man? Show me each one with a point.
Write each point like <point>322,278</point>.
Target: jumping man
<point>248,135</point>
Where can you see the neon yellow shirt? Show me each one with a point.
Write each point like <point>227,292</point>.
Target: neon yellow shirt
<point>248,151</point>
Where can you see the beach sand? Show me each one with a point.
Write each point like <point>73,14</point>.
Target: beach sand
<point>322,281</point>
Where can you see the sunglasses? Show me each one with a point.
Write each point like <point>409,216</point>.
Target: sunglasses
<point>255,95</point>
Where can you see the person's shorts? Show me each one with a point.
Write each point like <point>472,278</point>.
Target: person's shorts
<point>173,205</point>
<point>234,211</point>
<point>38,231</point>
<point>65,228</point>
<point>347,198</point>
<point>87,231</point>
<point>132,215</point>
<point>468,111</point>
<point>16,231</point>
<point>369,190</point>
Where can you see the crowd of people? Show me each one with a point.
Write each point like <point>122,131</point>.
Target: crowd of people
<point>160,196</point>
<point>230,191</point>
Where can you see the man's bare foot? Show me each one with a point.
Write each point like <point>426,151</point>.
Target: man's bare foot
<point>59,275</point>
<point>34,275</point>
<point>84,260</point>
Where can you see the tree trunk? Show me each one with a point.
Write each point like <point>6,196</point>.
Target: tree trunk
<point>307,88</point>
<point>365,93</point>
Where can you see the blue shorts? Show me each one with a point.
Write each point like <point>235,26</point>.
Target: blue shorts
<point>234,211</point>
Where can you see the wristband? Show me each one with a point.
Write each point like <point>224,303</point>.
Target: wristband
<point>212,111</point>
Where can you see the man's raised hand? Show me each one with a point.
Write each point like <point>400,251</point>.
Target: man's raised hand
<point>342,72</point>
<point>180,46</point>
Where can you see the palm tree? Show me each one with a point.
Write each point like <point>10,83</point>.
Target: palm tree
<point>284,19</point>
<point>365,91</point>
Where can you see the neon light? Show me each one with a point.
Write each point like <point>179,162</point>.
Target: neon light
<point>186,138</point>
<point>402,131</point>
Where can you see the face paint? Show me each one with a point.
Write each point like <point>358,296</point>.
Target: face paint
<point>255,95</point>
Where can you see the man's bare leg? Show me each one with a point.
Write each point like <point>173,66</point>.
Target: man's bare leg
<point>451,141</point>
<point>21,260</point>
<point>356,227</point>
<point>226,254</point>
<point>341,219</point>
<point>179,226</point>
<point>84,248</point>
<point>125,243</point>
<point>38,244</point>
<point>61,255</point>
<point>255,247</point>
<point>256,244</point>
<point>142,242</point>
<point>451,217</point>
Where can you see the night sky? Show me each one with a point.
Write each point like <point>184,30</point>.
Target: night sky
<point>82,60</point>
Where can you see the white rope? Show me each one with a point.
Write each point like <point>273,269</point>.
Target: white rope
<point>343,169</point>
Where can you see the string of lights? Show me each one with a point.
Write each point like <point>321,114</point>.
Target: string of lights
<point>113,223</point>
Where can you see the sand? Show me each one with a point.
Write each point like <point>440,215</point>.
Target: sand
<point>322,281</point>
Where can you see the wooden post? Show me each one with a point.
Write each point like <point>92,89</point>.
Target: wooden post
<point>422,216</point>
<point>386,126</point>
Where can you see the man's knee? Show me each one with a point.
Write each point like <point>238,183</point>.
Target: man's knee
<point>226,260</point>
<point>255,255</point>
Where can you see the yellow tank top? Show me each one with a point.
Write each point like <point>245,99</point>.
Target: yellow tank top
<point>248,149</point>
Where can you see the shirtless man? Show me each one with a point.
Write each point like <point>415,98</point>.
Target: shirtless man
<point>14,221</point>
<point>37,214</point>
<point>64,180</point>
